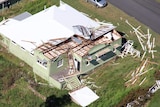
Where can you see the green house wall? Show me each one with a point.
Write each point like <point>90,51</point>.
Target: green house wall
<point>38,68</point>
<point>96,48</point>
<point>21,53</point>
<point>45,72</point>
<point>18,51</point>
<point>85,68</point>
<point>95,63</point>
<point>53,64</point>
<point>31,59</point>
<point>54,83</point>
<point>51,68</point>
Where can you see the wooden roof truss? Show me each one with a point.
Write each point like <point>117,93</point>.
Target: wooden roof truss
<point>55,47</point>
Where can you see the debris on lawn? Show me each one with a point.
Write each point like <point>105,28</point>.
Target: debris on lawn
<point>129,49</point>
<point>89,82</point>
<point>155,87</point>
<point>147,43</point>
<point>137,73</point>
<point>142,81</point>
<point>142,99</point>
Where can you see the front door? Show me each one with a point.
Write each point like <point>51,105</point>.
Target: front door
<point>77,64</point>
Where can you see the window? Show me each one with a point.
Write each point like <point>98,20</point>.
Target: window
<point>42,62</point>
<point>14,42</point>
<point>98,58</point>
<point>114,50</point>
<point>32,54</point>
<point>23,49</point>
<point>60,63</point>
<point>87,63</point>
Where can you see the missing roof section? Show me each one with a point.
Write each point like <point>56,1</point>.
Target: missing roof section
<point>75,39</point>
<point>57,41</point>
<point>93,33</point>
<point>22,16</point>
<point>82,31</point>
<point>102,30</point>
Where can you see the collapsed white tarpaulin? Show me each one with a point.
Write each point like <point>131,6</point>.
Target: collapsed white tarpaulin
<point>83,96</point>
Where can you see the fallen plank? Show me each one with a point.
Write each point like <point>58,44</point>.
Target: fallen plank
<point>144,72</point>
<point>142,81</point>
<point>37,93</point>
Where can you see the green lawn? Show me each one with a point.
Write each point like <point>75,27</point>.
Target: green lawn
<point>158,0</point>
<point>109,77</point>
<point>155,102</point>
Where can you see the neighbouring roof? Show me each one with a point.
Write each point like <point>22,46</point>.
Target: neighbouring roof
<point>53,22</point>
<point>83,96</point>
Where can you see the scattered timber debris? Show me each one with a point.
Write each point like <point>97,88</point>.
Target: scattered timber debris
<point>142,81</point>
<point>37,93</point>
<point>147,43</point>
<point>142,99</point>
<point>129,49</point>
<point>137,73</point>
<point>89,82</point>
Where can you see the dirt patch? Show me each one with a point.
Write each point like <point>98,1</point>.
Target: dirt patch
<point>157,75</point>
<point>134,95</point>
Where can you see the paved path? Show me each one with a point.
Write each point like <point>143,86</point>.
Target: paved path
<point>146,11</point>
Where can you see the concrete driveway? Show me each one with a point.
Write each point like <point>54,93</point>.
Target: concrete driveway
<point>145,11</point>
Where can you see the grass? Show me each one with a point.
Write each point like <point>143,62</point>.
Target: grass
<point>19,95</point>
<point>12,86</point>
<point>32,6</point>
<point>14,89</point>
<point>158,0</point>
<point>155,100</point>
<point>110,78</point>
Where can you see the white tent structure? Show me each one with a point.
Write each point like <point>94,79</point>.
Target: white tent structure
<point>53,22</point>
<point>83,96</point>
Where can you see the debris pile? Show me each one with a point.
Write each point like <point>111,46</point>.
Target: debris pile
<point>155,87</point>
<point>142,99</point>
<point>147,43</point>
<point>129,49</point>
<point>137,73</point>
<point>90,83</point>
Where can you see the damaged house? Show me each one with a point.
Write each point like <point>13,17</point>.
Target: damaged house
<point>60,43</point>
